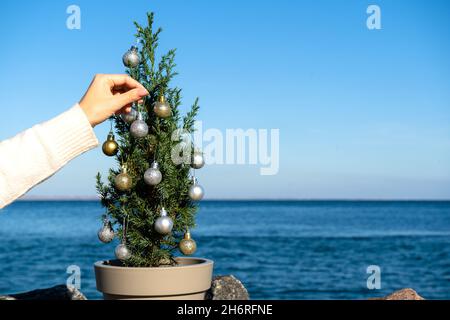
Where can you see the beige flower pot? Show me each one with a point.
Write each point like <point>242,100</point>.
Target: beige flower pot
<point>189,280</point>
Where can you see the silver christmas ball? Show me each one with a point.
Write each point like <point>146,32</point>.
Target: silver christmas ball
<point>198,161</point>
<point>139,129</point>
<point>196,192</point>
<point>164,224</point>
<point>129,117</point>
<point>131,58</point>
<point>122,252</point>
<point>153,176</point>
<point>106,233</point>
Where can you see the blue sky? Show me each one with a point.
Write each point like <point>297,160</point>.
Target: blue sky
<point>362,113</point>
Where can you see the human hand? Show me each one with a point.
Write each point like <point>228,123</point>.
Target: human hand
<point>109,94</point>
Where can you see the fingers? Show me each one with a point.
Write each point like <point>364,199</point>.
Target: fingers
<point>126,109</point>
<point>116,91</point>
<point>125,99</point>
<point>126,90</point>
<point>122,81</point>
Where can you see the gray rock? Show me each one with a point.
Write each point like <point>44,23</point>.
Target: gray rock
<point>403,294</point>
<point>61,292</point>
<point>227,288</point>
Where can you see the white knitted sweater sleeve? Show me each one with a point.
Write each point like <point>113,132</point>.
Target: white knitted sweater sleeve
<point>37,153</point>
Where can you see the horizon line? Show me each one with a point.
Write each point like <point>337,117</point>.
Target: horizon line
<point>94,198</point>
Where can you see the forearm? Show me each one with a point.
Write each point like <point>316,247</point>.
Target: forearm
<point>37,153</point>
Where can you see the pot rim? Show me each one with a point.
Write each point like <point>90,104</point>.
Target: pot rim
<point>203,263</point>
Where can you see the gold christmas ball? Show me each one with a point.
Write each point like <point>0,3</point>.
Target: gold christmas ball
<point>123,181</point>
<point>187,245</point>
<point>110,146</point>
<point>162,108</point>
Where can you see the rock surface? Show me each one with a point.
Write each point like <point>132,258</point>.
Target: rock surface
<point>404,294</point>
<point>227,288</point>
<point>222,288</point>
<point>61,292</point>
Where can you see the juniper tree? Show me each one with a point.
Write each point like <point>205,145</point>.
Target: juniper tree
<point>141,205</point>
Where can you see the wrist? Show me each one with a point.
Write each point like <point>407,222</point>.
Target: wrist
<point>86,110</point>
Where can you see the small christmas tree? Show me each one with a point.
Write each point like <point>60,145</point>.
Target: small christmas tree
<point>150,198</point>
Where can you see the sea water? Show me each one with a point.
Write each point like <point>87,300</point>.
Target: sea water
<point>278,249</point>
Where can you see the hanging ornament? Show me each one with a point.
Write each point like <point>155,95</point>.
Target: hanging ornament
<point>153,176</point>
<point>106,233</point>
<point>130,116</point>
<point>122,251</point>
<point>152,142</point>
<point>110,146</point>
<point>139,129</point>
<point>197,161</point>
<point>162,108</point>
<point>123,180</point>
<point>187,245</point>
<point>131,58</point>
<point>196,191</point>
<point>164,224</point>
